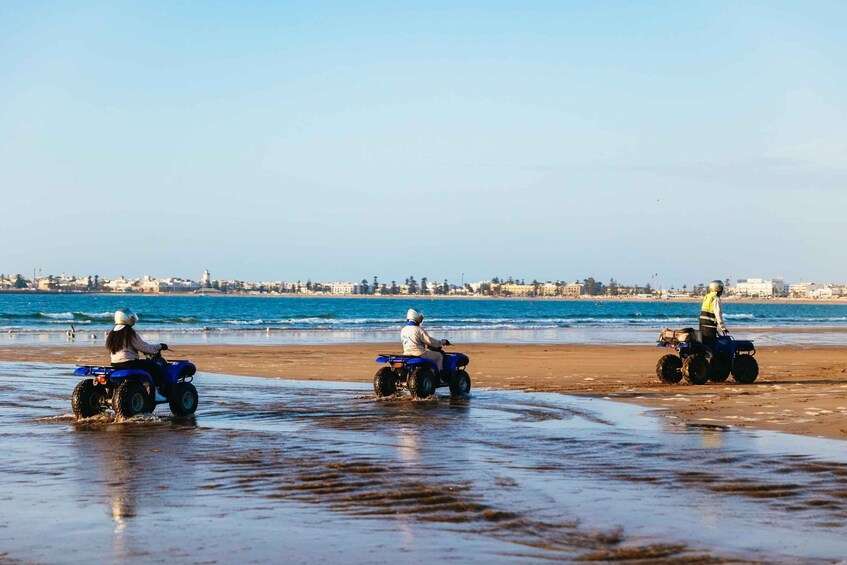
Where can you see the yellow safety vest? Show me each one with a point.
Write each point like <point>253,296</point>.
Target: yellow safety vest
<point>707,311</point>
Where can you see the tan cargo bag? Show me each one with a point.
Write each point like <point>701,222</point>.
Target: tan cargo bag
<point>672,337</point>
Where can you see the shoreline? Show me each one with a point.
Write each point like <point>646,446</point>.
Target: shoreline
<point>583,298</point>
<point>800,390</point>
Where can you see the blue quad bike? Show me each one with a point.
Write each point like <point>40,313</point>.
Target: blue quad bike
<point>420,376</point>
<point>132,391</point>
<point>699,363</point>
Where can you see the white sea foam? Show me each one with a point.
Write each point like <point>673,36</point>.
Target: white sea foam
<point>58,316</point>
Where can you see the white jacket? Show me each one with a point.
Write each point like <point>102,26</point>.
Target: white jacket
<point>130,352</point>
<point>415,340</point>
<point>719,315</point>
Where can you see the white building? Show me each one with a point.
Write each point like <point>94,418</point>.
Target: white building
<point>760,288</point>
<point>206,280</point>
<point>177,285</point>
<point>120,284</point>
<point>344,288</point>
<point>802,290</point>
<point>148,284</point>
<point>828,291</point>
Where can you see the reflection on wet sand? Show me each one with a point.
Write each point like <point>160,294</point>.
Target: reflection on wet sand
<point>319,471</point>
<point>132,466</point>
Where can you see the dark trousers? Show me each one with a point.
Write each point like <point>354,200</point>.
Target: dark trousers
<point>152,366</point>
<point>709,335</point>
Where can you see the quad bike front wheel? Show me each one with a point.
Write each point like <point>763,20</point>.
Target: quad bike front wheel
<point>130,398</point>
<point>669,369</point>
<point>695,369</point>
<point>460,384</point>
<point>87,400</point>
<point>385,382</point>
<point>184,400</point>
<point>421,382</point>
<point>745,369</point>
<point>718,369</point>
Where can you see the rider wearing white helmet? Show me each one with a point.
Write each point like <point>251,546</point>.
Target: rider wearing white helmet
<point>711,317</point>
<point>417,342</point>
<point>124,345</point>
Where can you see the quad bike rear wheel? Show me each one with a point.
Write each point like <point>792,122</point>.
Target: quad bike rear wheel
<point>421,382</point>
<point>745,369</point>
<point>385,382</point>
<point>460,384</point>
<point>184,400</point>
<point>87,400</point>
<point>130,398</point>
<point>695,369</point>
<point>718,369</point>
<point>669,369</point>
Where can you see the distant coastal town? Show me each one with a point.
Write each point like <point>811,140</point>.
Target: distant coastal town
<point>495,287</point>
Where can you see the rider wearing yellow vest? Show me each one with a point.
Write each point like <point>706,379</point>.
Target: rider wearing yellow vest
<point>711,317</point>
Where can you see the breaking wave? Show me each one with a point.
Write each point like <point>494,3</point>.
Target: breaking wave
<point>52,313</point>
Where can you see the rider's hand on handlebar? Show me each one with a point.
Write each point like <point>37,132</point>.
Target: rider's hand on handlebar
<point>163,347</point>
<point>445,342</point>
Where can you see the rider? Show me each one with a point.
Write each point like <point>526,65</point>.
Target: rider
<point>711,318</point>
<point>124,345</point>
<point>416,340</point>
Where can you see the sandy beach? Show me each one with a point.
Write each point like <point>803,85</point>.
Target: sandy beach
<point>800,390</point>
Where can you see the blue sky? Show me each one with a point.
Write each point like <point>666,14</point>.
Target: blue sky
<point>549,140</point>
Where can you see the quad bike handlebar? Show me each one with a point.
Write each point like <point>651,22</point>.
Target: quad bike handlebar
<point>444,342</point>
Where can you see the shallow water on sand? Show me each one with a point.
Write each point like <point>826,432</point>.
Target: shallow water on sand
<point>792,336</point>
<point>280,471</point>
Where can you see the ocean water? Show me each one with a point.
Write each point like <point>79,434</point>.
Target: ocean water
<point>228,319</point>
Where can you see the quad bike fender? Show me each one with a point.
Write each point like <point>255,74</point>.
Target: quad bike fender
<point>691,348</point>
<point>729,348</point>
<point>85,370</point>
<point>422,361</point>
<point>745,346</point>
<point>179,369</point>
<point>455,361</point>
<point>133,374</point>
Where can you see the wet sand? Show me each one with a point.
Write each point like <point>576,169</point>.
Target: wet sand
<point>800,390</point>
<point>274,470</point>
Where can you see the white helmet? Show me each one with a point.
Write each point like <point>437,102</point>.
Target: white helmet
<point>414,316</point>
<point>125,317</point>
<point>716,286</point>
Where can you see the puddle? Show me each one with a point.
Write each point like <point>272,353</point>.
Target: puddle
<point>324,472</point>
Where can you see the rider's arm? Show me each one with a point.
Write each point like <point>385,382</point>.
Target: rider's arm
<point>719,315</point>
<point>140,345</point>
<point>429,340</point>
